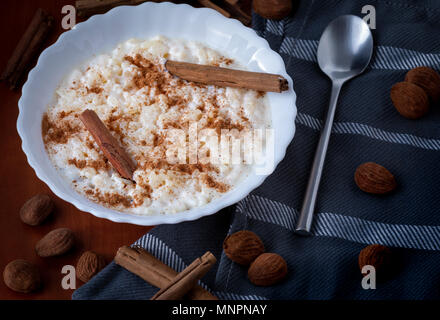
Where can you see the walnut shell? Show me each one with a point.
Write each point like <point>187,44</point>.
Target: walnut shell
<point>22,276</point>
<point>243,247</point>
<point>427,79</point>
<point>36,209</point>
<point>373,178</point>
<point>55,243</point>
<point>89,264</point>
<point>378,256</point>
<point>272,9</point>
<point>410,100</point>
<point>267,269</point>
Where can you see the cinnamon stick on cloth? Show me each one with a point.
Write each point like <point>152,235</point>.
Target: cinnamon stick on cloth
<point>227,77</point>
<point>27,48</point>
<point>185,280</point>
<point>143,264</point>
<point>120,160</point>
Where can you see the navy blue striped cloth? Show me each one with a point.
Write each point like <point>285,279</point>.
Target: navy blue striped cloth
<point>367,128</point>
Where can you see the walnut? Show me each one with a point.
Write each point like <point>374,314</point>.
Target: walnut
<point>410,100</point>
<point>273,9</point>
<point>55,243</point>
<point>427,79</point>
<point>243,247</point>
<point>89,264</point>
<point>378,256</point>
<point>268,269</point>
<point>373,178</point>
<point>36,209</point>
<point>22,276</point>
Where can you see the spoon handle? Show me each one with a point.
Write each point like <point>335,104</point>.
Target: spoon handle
<point>306,216</point>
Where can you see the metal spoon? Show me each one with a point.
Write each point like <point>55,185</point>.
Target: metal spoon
<point>344,51</point>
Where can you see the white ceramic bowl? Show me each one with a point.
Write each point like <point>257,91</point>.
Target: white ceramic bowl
<point>101,33</point>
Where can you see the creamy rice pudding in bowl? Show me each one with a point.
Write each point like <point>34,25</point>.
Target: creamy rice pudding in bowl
<point>193,148</point>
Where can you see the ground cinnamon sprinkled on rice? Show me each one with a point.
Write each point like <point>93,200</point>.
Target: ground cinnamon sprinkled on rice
<point>210,182</point>
<point>145,92</point>
<point>96,90</point>
<point>101,164</point>
<point>111,199</point>
<point>57,132</point>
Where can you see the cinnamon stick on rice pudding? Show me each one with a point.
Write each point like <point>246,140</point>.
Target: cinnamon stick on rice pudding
<point>150,112</point>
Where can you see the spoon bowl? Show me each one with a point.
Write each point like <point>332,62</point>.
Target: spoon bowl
<point>345,47</point>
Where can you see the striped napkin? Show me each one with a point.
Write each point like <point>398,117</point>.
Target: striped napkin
<point>367,128</point>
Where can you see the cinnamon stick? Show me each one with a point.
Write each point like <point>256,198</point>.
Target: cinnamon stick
<point>233,7</point>
<point>108,144</point>
<point>211,5</point>
<point>185,280</point>
<point>227,77</point>
<point>27,48</point>
<point>23,44</point>
<point>143,264</point>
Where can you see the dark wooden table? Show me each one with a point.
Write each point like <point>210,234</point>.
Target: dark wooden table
<point>19,182</point>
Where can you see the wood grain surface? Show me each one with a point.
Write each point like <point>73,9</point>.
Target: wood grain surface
<point>19,182</point>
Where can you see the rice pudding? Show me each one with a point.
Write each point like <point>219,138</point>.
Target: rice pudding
<point>141,103</point>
